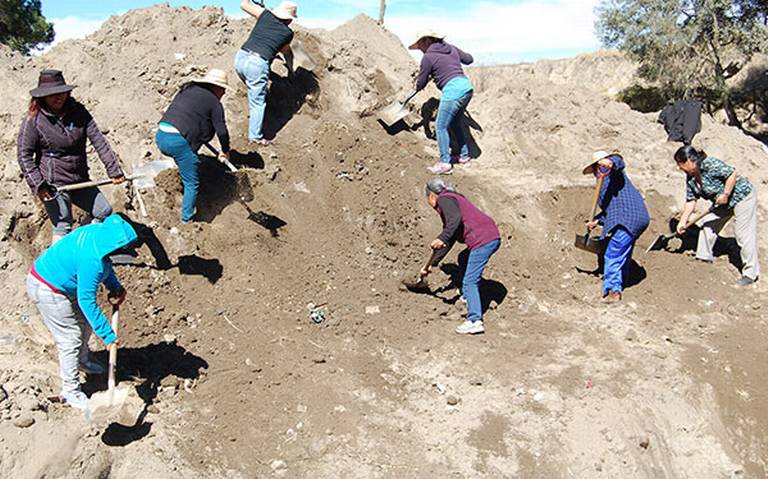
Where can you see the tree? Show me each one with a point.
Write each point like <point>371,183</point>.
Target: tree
<point>687,47</point>
<point>23,26</point>
<point>382,9</point>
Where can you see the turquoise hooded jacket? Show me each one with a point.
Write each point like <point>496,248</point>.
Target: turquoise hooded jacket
<point>79,262</point>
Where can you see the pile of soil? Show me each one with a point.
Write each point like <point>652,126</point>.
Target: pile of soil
<point>239,381</point>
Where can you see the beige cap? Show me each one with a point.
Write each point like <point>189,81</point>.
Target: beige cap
<point>423,33</point>
<point>597,156</point>
<point>214,77</point>
<point>285,11</point>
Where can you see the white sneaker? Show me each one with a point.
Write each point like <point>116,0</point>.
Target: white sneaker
<point>468,327</point>
<point>76,399</point>
<point>89,366</point>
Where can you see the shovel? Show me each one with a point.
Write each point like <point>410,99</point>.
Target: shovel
<point>420,285</point>
<point>141,180</point>
<point>118,402</point>
<point>301,58</point>
<point>663,239</point>
<point>396,111</point>
<point>215,152</point>
<point>587,242</point>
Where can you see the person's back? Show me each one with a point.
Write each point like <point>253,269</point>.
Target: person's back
<point>192,112</point>
<point>268,36</point>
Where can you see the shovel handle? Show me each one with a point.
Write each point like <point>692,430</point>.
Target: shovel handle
<point>215,152</point>
<point>410,97</point>
<point>599,187</point>
<point>113,349</point>
<point>428,263</point>
<point>88,184</point>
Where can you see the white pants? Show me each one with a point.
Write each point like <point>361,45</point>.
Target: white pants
<point>69,328</point>
<point>746,233</point>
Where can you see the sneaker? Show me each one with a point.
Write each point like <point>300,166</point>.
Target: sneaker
<point>441,168</point>
<point>462,160</point>
<point>469,327</point>
<point>76,399</point>
<point>746,281</point>
<point>89,366</point>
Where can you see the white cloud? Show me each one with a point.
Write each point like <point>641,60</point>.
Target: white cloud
<point>73,27</point>
<point>491,30</point>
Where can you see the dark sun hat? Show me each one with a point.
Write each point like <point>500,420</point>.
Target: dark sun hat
<point>51,82</point>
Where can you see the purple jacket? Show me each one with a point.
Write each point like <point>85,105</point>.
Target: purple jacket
<point>442,61</point>
<point>463,222</point>
<point>51,149</point>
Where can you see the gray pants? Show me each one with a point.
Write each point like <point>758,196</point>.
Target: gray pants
<point>90,200</point>
<point>746,233</point>
<point>69,328</point>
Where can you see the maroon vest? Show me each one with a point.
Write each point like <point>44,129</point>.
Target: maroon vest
<point>479,228</point>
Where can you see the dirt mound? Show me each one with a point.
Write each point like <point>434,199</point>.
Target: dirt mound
<point>218,340</point>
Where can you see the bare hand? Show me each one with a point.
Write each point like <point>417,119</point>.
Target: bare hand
<point>223,157</point>
<point>722,199</point>
<point>116,298</point>
<point>592,225</point>
<point>118,179</point>
<point>681,228</point>
<point>425,271</point>
<point>45,193</point>
<point>437,244</point>
<point>114,343</point>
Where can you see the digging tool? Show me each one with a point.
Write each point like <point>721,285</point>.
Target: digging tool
<point>396,111</point>
<point>301,58</point>
<point>119,402</point>
<point>587,242</point>
<point>420,285</point>
<point>88,184</point>
<point>144,175</point>
<point>663,239</point>
<point>215,152</point>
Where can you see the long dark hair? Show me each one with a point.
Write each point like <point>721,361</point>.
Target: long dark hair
<point>687,152</point>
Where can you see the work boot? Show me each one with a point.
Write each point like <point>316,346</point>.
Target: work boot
<point>612,297</point>
<point>76,399</point>
<point>745,281</point>
<point>469,327</point>
<point>441,168</point>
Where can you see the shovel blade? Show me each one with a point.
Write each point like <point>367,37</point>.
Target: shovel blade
<point>660,243</point>
<point>393,113</point>
<point>120,405</point>
<point>591,244</point>
<point>416,286</point>
<point>301,58</point>
<point>144,175</point>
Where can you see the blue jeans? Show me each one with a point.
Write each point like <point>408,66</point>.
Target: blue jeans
<point>254,72</point>
<point>618,256</point>
<point>450,116</point>
<point>473,264</point>
<point>91,200</point>
<point>177,147</point>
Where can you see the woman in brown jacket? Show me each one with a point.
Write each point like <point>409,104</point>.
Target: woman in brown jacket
<point>51,153</point>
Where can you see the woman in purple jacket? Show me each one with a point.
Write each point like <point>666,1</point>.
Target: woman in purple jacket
<point>51,153</point>
<point>465,223</point>
<point>442,62</point>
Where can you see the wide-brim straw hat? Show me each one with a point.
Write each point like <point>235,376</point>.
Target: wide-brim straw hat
<point>596,157</point>
<point>51,82</point>
<point>214,77</point>
<point>424,33</point>
<point>285,11</point>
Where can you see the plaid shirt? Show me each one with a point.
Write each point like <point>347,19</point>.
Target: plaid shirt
<point>714,173</point>
<point>621,203</point>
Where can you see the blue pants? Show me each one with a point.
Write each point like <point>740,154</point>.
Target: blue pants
<point>177,147</point>
<point>254,72</point>
<point>91,200</point>
<point>473,262</point>
<point>450,116</point>
<point>618,256</point>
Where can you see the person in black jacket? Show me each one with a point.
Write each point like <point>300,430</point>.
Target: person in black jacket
<point>191,120</point>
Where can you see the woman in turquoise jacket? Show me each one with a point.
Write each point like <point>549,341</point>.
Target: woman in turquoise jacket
<point>63,283</point>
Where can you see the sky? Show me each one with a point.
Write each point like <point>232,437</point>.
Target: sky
<point>494,31</point>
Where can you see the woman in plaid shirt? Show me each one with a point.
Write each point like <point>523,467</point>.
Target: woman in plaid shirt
<point>624,217</point>
<point>732,195</point>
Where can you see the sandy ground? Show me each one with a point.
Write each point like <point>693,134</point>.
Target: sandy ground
<point>239,382</point>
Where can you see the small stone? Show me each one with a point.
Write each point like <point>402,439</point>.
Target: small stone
<point>645,443</point>
<point>3,394</point>
<point>30,404</point>
<point>278,465</point>
<point>452,400</point>
<point>372,310</point>
<point>631,335</point>
<point>152,409</point>
<point>24,421</point>
<point>475,382</point>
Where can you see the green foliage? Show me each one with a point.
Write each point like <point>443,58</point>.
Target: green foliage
<point>687,46</point>
<point>23,26</point>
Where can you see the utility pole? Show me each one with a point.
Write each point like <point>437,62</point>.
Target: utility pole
<point>382,9</point>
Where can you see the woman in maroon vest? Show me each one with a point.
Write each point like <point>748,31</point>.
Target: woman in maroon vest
<point>465,223</point>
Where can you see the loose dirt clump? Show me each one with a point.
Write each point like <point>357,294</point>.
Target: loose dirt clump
<point>218,336</point>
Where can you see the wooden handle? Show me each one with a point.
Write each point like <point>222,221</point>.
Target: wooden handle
<point>113,350</point>
<point>698,217</point>
<point>597,197</point>
<point>429,261</point>
<point>88,184</point>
